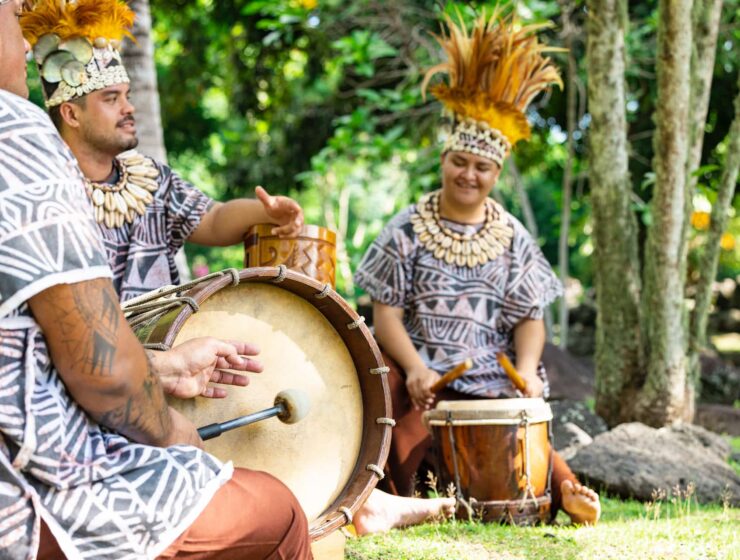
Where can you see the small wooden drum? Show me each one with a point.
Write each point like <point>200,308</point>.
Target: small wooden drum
<point>310,340</point>
<point>313,253</point>
<point>497,454</point>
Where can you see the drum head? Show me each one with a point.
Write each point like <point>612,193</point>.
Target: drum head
<point>500,411</point>
<point>306,344</point>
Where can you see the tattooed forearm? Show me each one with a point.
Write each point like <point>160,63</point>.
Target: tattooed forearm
<point>102,364</point>
<point>135,419</point>
<point>90,343</point>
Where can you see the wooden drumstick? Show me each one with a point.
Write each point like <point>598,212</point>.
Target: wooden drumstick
<point>511,371</point>
<point>451,375</point>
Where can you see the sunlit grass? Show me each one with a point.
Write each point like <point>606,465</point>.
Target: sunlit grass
<point>665,529</point>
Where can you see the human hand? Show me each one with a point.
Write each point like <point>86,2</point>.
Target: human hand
<point>186,370</point>
<point>283,211</point>
<point>535,387</point>
<point>419,381</point>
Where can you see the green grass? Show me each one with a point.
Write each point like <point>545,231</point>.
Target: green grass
<point>666,529</point>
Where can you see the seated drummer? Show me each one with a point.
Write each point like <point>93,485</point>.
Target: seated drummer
<point>93,463</point>
<point>144,210</point>
<point>456,276</point>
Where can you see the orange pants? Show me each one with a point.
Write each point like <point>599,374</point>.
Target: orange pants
<point>411,443</point>
<point>253,516</point>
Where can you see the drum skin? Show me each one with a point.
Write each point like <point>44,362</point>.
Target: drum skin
<point>312,253</point>
<point>311,340</point>
<point>488,448</point>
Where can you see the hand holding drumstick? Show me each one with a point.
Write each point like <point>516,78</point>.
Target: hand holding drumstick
<point>531,389</point>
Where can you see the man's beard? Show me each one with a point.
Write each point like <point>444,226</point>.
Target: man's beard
<point>110,143</point>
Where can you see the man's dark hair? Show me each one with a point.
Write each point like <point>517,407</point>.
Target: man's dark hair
<point>55,113</point>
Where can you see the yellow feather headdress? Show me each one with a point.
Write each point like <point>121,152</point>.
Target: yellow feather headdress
<point>76,45</point>
<point>494,73</point>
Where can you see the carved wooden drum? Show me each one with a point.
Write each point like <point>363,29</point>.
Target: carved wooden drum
<point>310,340</point>
<point>497,454</point>
<point>312,253</point>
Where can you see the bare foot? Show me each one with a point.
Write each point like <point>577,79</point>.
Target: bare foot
<point>581,503</point>
<point>382,512</point>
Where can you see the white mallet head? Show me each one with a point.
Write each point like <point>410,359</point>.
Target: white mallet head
<point>295,403</point>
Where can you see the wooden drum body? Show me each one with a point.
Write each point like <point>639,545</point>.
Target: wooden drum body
<point>312,253</point>
<point>497,454</point>
<point>310,340</point>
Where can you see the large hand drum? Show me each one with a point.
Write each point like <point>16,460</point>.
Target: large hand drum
<point>497,453</point>
<point>310,340</point>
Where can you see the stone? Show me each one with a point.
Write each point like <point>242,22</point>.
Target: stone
<point>719,418</point>
<point>633,460</point>
<point>572,421</point>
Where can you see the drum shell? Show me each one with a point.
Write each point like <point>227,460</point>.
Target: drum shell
<point>490,459</point>
<point>161,332</point>
<point>482,453</point>
<point>311,253</point>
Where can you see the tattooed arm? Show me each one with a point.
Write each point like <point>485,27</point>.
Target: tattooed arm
<point>103,365</point>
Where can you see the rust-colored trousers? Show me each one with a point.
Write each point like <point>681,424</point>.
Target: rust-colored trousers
<point>411,443</point>
<point>252,517</point>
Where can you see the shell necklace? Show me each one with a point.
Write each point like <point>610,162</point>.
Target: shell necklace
<point>470,250</point>
<point>117,203</point>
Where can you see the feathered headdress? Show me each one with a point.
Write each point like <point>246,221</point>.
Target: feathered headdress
<point>494,73</point>
<point>76,45</point>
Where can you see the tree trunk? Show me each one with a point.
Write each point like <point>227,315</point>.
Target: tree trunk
<point>139,60</point>
<point>617,279</point>
<point>720,210</point>
<point>663,397</point>
<point>706,20</point>
<point>571,85</point>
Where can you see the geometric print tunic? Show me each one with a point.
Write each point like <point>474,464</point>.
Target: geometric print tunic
<point>142,254</point>
<point>101,495</point>
<point>454,312</point>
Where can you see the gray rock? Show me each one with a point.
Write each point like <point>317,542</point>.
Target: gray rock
<point>566,415</point>
<point>578,439</point>
<point>633,460</point>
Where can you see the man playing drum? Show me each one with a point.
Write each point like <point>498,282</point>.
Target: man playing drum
<point>90,452</point>
<point>96,120</point>
<point>144,210</point>
<point>455,276</point>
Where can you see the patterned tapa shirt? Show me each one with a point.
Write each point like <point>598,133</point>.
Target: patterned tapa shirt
<point>142,254</point>
<point>101,495</point>
<point>453,312</point>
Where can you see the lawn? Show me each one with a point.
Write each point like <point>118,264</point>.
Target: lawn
<point>669,528</point>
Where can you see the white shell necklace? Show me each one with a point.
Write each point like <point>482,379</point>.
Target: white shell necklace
<point>462,249</point>
<point>117,203</point>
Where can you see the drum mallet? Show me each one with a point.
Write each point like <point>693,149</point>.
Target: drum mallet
<point>511,371</point>
<point>291,406</point>
<point>451,375</point>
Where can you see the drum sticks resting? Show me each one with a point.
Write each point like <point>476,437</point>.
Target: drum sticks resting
<point>451,375</point>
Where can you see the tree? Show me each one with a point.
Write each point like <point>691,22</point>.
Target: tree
<point>642,358</point>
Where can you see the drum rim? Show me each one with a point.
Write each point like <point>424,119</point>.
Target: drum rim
<point>485,412</point>
<point>374,383</point>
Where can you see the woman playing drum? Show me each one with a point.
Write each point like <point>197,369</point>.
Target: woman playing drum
<point>456,276</point>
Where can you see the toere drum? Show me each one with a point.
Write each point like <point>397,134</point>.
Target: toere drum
<point>497,454</point>
<point>312,253</point>
<point>310,340</point>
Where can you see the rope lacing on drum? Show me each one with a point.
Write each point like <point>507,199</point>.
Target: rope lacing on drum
<point>356,323</point>
<point>385,420</point>
<point>379,370</point>
<point>529,489</point>
<point>159,299</point>
<point>323,293</point>
<point>282,270</point>
<point>347,514</point>
<point>376,469</point>
<point>458,492</point>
